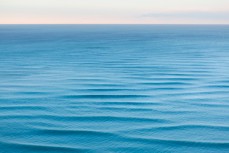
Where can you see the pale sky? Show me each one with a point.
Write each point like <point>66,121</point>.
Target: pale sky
<point>114,11</point>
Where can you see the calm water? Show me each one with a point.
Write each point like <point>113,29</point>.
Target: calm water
<point>114,88</point>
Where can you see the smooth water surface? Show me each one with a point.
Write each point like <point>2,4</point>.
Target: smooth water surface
<point>114,88</point>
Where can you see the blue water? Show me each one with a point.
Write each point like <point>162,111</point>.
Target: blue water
<point>114,88</point>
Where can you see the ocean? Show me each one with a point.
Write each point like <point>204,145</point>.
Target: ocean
<point>114,88</point>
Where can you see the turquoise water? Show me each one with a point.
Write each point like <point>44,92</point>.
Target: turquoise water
<point>114,88</point>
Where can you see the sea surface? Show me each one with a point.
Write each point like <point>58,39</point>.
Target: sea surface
<point>114,88</point>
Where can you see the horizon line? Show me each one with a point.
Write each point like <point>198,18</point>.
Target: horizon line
<point>114,23</point>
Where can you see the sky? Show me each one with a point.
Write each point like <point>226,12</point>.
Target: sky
<point>114,11</point>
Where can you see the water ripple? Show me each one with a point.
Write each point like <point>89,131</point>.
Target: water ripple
<point>114,88</point>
